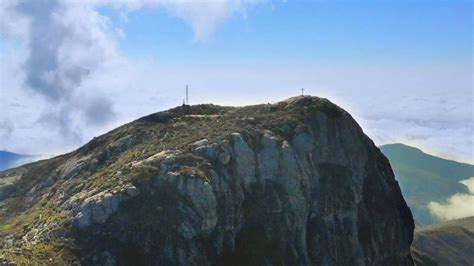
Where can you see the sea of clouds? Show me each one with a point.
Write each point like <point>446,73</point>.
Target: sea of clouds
<point>64,79</point>
<point>457,206</point>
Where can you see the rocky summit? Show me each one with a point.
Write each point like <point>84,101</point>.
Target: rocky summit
<point>291,183</point>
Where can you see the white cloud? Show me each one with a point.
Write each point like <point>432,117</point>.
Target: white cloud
<point>89,86</point>
<point>205,16</point>
<point>61,45</point>
<point>63,77</point>
<point>457,206</point>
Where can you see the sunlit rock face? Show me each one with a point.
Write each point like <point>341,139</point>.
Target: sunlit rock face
<point>294,183</point>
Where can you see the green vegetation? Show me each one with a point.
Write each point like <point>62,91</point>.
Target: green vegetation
<point>111,160</point>
<point>40,222</point>
<point>332,111</point>
<point>449,243</point>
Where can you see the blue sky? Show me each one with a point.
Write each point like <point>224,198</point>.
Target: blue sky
<point>403,69</point>
<point>310,32</point>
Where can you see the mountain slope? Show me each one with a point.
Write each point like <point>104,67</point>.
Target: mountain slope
<point>10,159</point>
<point>296,182</point>
<point>424,178</point>
<point>448,243</point>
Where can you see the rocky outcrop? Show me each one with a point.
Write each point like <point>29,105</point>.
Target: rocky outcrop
<point>97,208</point>
<point>7,186</point>
<point>304,186</point>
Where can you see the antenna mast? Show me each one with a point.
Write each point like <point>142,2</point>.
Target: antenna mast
<point>187,95</point>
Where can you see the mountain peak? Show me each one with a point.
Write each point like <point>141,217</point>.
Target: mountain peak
<point>206,184</point>
<point>401,146</point>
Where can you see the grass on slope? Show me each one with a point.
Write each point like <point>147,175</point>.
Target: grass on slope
<point>108,159</point>
<point>449,243</point>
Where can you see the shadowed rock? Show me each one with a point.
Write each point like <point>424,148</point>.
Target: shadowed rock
<point>298,184</point>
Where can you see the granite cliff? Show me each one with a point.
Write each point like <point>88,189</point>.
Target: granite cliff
<point>296,182</point>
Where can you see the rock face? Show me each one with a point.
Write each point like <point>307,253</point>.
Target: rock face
<point>298,184</point>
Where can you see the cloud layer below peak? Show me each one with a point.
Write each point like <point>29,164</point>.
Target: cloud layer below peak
<point>457,206</point>
<point>63,69</point>
<point>64,78</point>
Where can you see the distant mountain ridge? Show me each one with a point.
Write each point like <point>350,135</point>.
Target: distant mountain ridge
<point>10,159</point>
<point>424,178</point>
<point>448,243</point>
